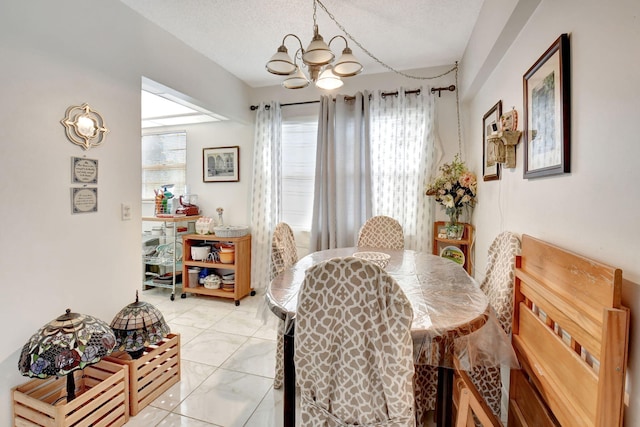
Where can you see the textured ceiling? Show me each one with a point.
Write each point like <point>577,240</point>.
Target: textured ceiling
<point>241,35</point>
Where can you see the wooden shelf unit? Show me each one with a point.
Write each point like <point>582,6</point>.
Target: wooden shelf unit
<point>241,266</point>
<point>465,244</point>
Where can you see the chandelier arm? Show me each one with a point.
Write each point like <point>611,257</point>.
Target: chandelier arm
<point>372,56</point>
<point>296,37</point>
<point>338,37</point>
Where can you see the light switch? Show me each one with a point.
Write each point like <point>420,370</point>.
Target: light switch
<point>125,211</point>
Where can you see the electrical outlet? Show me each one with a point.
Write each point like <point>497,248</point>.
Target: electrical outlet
<point>125,211</point>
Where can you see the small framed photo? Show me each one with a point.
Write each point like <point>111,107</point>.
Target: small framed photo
<point>442,232</point>
<point>84,171</point>
<point>547,112</point>
<point>490,126</point>
<point>221,164</point>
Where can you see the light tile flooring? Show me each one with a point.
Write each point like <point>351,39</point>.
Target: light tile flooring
<point>228,363</point>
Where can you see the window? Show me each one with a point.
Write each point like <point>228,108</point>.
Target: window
<point>299,135</point>
<point>164,162</point>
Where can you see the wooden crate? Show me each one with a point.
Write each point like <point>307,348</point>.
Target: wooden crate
<point>153,373</point>
<point>102,399</point>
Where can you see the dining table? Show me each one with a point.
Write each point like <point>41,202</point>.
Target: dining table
<point>448,307</point>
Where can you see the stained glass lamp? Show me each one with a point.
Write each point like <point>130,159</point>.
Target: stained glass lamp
<point>137,326</point>
<point>70,342</point>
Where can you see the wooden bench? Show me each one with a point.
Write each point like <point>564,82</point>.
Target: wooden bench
<point>570,333</point>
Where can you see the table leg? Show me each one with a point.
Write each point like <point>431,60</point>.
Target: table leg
<point>444,400</point>
<point>289,382</point>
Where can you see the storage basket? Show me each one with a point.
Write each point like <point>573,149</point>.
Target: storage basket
<point>102,399</point>
<point>231,231</point>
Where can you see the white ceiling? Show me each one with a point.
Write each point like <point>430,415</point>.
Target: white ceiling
<point>241,35</point>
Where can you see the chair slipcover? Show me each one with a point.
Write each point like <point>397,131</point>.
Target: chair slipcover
<point>381,232</point>
<point>353,347</point>
<point>498,286</point>
<point>283,255</point>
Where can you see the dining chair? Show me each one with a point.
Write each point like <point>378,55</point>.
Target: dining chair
<point>498,286</point>
<point>353,348</point>
<point>283,255</point>
<point>381,232</point>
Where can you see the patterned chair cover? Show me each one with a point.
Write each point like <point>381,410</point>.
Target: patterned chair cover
<point>498,286</point>
<point>353,347</point>
<point>381,232</point>
<point>283,255</point>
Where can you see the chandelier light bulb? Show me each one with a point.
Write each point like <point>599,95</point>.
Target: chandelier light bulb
<point>327,80</point>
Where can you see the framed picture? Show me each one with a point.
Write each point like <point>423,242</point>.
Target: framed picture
<point>221,164</point>
<point>84,200</point>
<point>490,126</point>
<point>547,112</point>
<point>84,171</point>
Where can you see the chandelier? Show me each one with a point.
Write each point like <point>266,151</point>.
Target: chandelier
<point>317,58</point>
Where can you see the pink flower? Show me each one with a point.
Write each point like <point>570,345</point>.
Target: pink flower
<point>467,179</point>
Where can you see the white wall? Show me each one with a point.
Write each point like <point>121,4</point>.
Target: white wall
<point>593,210</point>
<point>233,197</point>
<point>57,54</point>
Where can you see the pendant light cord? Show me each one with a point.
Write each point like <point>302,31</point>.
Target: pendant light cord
<point>458,115</point>
<point>372,56</point>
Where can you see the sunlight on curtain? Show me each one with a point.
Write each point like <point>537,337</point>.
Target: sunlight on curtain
<point>402,155</point>
<point>342,185</point>
<point>266,203</point>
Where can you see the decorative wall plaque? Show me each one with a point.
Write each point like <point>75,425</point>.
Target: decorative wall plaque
<point>84,171</point>
<point>84,126</point>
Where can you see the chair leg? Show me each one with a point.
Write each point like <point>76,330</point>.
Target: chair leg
<point>279,374</point>
<point>463,408</point>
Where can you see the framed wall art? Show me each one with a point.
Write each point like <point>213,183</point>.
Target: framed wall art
<point>221,164</point>
<point>84,200</point>
<point>490,126</point>
<point>84,171</point>
<point>547,121</point>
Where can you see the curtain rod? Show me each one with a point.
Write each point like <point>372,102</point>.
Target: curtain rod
<point>349,98</point>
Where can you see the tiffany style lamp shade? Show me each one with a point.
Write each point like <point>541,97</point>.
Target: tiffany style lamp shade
<point>68,343</point>
<point>137,326</point>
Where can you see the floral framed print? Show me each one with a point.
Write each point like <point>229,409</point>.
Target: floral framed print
<point>547,123</point>
<point>221,164</point>
<point>490,126</point>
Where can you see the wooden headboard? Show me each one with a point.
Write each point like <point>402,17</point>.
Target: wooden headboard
<point>570,333</point>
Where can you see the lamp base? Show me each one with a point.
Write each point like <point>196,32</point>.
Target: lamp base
<point>71,387</point>
<point>137,354</point>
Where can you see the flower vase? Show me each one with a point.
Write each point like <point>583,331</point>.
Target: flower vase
<point>454,229</point>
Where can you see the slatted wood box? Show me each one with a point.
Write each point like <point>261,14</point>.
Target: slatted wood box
<point>102,399</point>
<point>153,373</point>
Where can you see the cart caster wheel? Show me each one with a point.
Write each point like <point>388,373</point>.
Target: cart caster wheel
<point>183,296</point>
<point>253,293</point>
<point>173,297</point>
<point>237,303</point>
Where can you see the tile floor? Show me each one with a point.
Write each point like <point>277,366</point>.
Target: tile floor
<point>228,363</point>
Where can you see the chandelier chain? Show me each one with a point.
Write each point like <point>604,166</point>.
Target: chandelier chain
<point>371,55</point>
<point>458,114</point>
<point>314,15</point>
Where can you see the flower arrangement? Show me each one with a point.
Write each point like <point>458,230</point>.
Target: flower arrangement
<point>455,188</point>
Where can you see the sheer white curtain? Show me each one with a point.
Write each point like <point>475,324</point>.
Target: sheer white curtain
<point>342,200</point>
<point>266,204</point>
<point>402,157</point>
